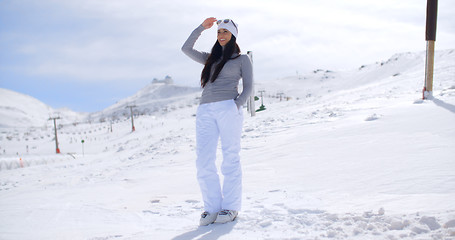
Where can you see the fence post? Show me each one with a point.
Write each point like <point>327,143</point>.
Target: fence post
<point>430,37</point>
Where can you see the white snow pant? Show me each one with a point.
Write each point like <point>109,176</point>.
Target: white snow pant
<point>219,120</point>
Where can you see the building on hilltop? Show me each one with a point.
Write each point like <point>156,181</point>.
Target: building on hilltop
<point>167,80</point>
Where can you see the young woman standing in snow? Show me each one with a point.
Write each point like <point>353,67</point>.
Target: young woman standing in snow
<point>219,115</point>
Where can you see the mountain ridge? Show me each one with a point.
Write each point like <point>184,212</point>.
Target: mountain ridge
<point>21,110</point>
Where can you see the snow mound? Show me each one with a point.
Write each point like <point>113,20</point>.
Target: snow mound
<point>18,110</point>
<point>23,111</point>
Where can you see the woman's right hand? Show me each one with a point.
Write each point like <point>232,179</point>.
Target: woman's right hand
<point>208,23</point>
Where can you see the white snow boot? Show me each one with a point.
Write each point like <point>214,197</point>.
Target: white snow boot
<point>226,216</point>
<point>207,218</point>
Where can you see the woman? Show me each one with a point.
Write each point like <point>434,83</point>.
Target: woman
<point>219,116</point>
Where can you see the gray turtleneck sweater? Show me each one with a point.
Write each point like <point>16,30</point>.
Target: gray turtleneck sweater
<point>225,86</point>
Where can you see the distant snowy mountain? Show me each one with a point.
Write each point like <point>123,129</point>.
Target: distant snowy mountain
<point>320,82</point>
<point>153,98</point>
<point>20,110</point>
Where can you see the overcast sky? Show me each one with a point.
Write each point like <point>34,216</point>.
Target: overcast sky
<point>88,54</point>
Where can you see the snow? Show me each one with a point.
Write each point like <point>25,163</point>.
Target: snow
<point>345,155</point>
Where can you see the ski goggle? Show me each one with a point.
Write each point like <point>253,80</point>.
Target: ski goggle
<point>226,21</point>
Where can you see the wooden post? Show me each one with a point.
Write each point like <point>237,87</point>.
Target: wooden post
<point>430,37</point>
<point>429,66</point>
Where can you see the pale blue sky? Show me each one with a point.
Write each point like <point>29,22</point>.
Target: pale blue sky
<point>86,54</point>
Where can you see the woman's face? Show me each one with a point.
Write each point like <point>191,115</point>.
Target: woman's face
<point>224,36</point>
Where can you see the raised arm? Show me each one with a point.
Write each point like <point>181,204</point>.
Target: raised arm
<point>188,46</point>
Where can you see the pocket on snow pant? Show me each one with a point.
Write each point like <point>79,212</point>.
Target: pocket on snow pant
<point>238,109</point>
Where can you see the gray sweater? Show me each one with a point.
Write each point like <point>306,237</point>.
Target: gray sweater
<point>225,86</point>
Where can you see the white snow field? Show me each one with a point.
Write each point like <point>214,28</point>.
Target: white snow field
<point>345,155</point>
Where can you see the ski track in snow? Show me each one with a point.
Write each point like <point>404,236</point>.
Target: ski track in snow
<point>299,180</point>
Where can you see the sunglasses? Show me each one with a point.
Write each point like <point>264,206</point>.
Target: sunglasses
<point>226,21</point>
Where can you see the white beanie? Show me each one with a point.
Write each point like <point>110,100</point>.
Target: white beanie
<point>230,26</point>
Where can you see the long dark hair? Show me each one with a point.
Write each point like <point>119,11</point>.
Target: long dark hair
<point>217,53</point>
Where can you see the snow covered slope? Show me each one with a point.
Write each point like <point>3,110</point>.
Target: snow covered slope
<point>350,155</point>
<point>20,110</point>
<point>153,98</point>
<point>400,66</point>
